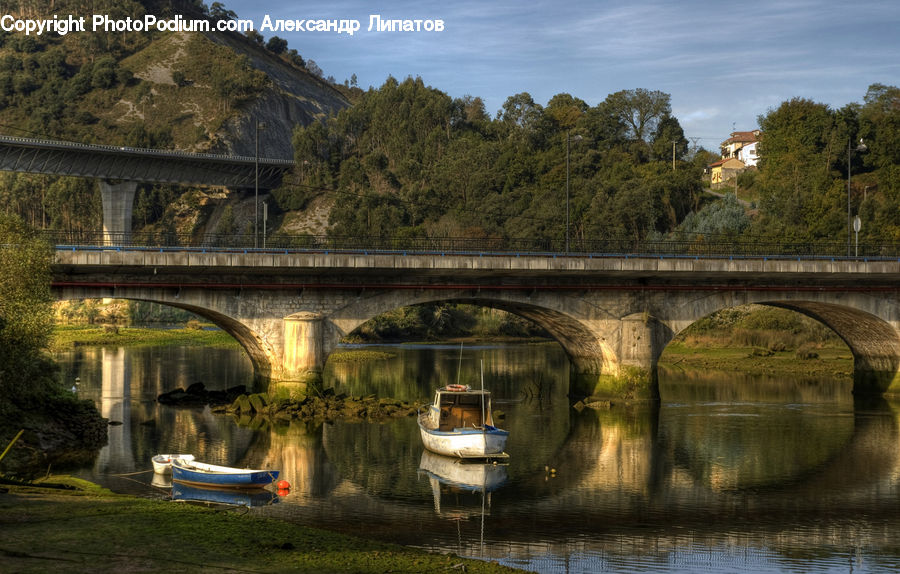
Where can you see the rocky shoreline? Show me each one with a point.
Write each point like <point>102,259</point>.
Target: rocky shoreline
<point>328,406</point>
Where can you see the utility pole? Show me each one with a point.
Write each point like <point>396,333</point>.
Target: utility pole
<point>256,191</point>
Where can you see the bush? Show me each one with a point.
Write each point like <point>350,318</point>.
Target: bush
<point>807,353</point>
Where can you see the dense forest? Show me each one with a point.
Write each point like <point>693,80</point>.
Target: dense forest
<point>407,160</point>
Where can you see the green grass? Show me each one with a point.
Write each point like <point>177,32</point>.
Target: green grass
<point>831,360</point>
<point>49,530</point>
<point>68,336</point>
<point>359,356</point>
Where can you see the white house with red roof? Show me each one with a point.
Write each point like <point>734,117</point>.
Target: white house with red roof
<point>742,146</point>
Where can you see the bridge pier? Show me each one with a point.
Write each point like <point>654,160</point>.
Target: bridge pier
<point>637,342</point>
<point>118,205</point>
<point>303,355</point>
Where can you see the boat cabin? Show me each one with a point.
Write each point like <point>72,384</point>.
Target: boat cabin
<point>461,407</point>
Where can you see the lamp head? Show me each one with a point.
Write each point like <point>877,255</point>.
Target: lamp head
<point>862,146</point>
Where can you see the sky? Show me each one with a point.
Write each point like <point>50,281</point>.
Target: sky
<point>723,63</point>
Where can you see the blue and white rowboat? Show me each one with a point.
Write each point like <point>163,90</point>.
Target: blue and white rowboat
<point>211,475</point>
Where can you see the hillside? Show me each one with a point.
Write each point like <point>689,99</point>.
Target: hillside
<point>191,91</point>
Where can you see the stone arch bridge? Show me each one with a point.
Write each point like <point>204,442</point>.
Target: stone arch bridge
<point>613,315</point>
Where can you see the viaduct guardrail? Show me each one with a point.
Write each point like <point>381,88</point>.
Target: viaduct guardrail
<point>699,246</point>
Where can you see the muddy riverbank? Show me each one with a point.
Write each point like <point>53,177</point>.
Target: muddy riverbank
<point>90,529</point>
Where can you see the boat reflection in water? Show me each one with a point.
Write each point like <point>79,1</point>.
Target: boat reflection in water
<point>461,487</point>
<point>244,497</point>
<point>161,480</point>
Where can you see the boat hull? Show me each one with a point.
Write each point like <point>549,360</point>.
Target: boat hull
<point>486,442</point>
<point>209,475</point>
<point>162,463</point>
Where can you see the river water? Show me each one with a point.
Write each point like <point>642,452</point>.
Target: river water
<point>727,474</point>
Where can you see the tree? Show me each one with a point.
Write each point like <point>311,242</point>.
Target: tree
<point>641,110</point>
<point>565,110</point>
<point>800,147</point>
<point>726,216</point>
<point>255,37</point>
<point>668,132</point>
<point>26,319</point>
<point>33,397</point>
<point>314,68</point>
<point>879,120</point>
<point>879,124</point>
<point>217,11</point>
<point>520,111</point>
<point>276,45</point>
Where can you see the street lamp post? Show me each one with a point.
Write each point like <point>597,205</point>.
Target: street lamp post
<point>576,138</point>
<point>259,126</point>
<point>265,221</point>
<point>256,190</point>
<point>860,148</point>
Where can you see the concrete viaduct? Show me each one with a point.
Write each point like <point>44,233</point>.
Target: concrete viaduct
<point>613,315</point>
<point>119,170</point>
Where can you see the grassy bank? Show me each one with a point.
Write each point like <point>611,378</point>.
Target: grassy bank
<point>93,530</point>
<point>760,340</point>
<point>68,336</point>
<point>831,361</point>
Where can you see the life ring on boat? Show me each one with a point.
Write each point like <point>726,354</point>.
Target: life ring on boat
<point>457,388</point>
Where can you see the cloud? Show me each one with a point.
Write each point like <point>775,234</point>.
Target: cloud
<point>720,62</point>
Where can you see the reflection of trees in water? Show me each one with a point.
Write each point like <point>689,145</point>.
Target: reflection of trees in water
<point>735,431</point>
<point>382,459</point>
<point>746,446</point>
<point>416,371</point>
<point>606,451</point>
<point>156,428</point>
<point>728,386</point>
<point>379,458</point>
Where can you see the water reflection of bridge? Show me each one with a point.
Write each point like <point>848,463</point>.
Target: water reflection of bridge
<point>124,384</point>
<point>640,478</point>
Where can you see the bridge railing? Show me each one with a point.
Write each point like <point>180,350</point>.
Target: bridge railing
<point>691,247</point>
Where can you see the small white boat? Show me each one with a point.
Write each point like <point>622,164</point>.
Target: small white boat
<point>459,423</point>
<point>162,463</point>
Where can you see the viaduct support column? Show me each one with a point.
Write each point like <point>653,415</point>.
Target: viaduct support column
<point>304,354</point>
<point>118,203</point>
<point>639,341</point>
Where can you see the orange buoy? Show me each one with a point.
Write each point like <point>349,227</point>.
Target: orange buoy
<point>283,485</point>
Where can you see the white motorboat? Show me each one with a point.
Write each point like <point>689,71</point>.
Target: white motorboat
<point>459,423</point>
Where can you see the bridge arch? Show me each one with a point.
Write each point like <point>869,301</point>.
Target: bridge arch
<point>260,354</point>
<point>587,352</point>
<point>870,326</point>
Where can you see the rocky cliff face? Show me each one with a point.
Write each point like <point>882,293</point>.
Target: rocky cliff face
<point>295,97</point>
